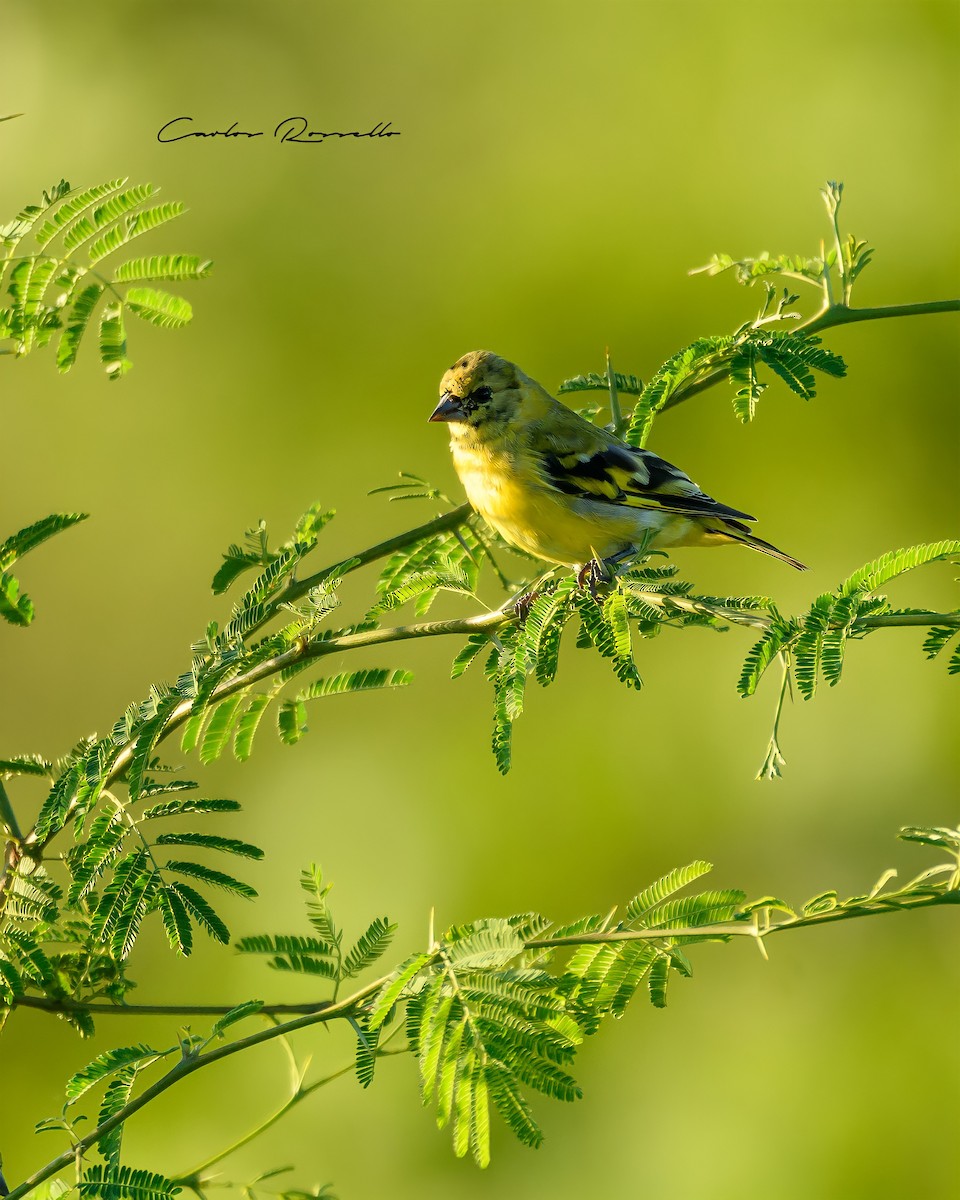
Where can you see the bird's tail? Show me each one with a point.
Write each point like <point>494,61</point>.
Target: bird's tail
<point>748,539</point>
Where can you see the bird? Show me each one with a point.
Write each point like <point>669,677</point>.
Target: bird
<point>562,489</point>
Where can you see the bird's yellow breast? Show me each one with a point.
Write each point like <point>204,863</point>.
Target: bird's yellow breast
<point>508,493</point>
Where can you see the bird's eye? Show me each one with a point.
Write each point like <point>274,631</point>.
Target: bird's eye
<point>481,395</point>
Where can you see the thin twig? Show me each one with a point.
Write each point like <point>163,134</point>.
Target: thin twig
<point>461,626</point>
<point>188,1064</point>
<point>828,316</point>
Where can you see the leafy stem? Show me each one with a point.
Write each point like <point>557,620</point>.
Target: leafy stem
<point>827,317</point>
<point>467,956</point>
<point>188,1065</point>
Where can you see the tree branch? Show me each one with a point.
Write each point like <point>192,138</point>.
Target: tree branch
<point>908,898</point>
<point>460,626</point>
<point>7,816</point>
<point>841,314</point>
<point>46,1004</point>
<point>449,520</point>
<point>188,1064</point>
<point>830,315</point>
<point>869,908</point>
<point>913,896</point>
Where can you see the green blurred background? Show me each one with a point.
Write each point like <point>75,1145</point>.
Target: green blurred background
<point>561,166</point>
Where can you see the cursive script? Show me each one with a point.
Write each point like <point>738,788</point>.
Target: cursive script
<point>295,130</point>
<point>164,134</point>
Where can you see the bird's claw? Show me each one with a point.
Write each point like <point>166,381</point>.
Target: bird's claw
<point>592,575</point>
<point>523,604</point>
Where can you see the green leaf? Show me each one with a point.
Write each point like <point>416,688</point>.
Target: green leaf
<point>476,644</point>
<point>31,536</point>
<point>238,1013</point>
<point>14,608</point>
<point>369,680</point>
<point>700,357</point>
<point>105,1064</point>
<point>657,981</point>
<point>193,804</point>
<point>294,945</point>
<point>130,227</point>
<point>393,990</point>
<point>932,835</point>
<point>447,579</point>
<point>115,1098</point>
<point>81,311</point>
<point>305,955</point>
<point>248,725</point>
<point>646,901</point>
<point>743,375</point>
<point>96,218</point>
<point>370,946</point>
<point>889,566</point>
<point>122,905</point>
<point>113,341</point>
<point>123,1183</point>
<point>201,911</point>
<point>210,841</point>
<point>934,642</point>
<point>176,920</point>
<point>163,267</point>
<point>825,902</point>
<point>214,878</point>
<point>24,764</point>
<point>90,859</point>
<point>763,653</point>
<point>627,385</point>
<point>11,985</point>
<point>79,203</point>
<point>291,721</point>
<point>511,1105</point>
<point>219,728</point>
<point>159,308</point>
<point>366,1055</point>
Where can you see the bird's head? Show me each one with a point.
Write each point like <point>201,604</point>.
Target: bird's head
<point>482,391</point>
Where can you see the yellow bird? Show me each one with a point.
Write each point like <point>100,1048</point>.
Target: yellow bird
<point>563,489</point>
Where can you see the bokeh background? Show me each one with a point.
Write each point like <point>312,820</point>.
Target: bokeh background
<point>560,167</point>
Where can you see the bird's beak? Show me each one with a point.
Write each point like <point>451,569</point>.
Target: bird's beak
<point>450,408</point>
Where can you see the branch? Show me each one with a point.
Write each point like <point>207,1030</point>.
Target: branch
<point>757,924</point>
<point>460,626</point>
<point>893,902</point>
<point>910,897</point>
<point>841,314</point>
<point>7,816</point>
<point>189,1063</point>
<point>833,314</point>
<point>195,1178</point>
<point>46,1004</point>
<point>450,520</point>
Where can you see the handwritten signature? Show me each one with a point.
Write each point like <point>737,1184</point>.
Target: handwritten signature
<point>291,129</point>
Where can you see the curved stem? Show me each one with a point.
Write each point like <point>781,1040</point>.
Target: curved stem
<point>870,908</point>
<point>187,1066</point>
<point>828,316</point>
<point>193,1178</point>
<point>841,314</point>
<point>911,897</point>
<point>45,1004</point>
<point>449,520</point>
<point>460,626</point>
<point>7,816</point>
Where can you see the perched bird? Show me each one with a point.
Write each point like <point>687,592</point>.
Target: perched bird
<point>563,489</point>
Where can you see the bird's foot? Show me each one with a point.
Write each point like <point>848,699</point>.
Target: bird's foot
<point>594,574</point>
<point>601,572</point>
<point>523,604</point>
